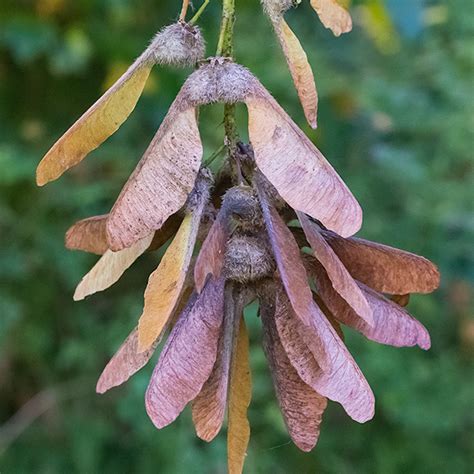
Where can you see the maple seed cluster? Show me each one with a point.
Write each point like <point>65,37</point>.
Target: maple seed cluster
<point>275,224</point>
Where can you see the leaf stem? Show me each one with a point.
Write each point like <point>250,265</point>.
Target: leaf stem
<point>214,155</point>
<point>225,48</point>
<point>195,18</point>
<point>225,43</point>
<point>184,10</point>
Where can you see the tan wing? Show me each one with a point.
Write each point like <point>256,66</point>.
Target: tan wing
<point>102,120</point>
<point>297,169</point>
<point>333,16</point>
<point>162,181</point>
<point>300,70</point>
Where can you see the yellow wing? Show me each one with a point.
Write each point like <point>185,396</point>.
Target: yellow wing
<point>102,120</point>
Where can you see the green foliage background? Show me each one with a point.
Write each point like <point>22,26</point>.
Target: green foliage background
<point>396,117</point>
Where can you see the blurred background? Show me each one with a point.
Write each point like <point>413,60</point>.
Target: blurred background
<point>396,118</point>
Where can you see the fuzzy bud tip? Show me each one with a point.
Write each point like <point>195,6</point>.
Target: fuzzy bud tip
<point>179,44</point>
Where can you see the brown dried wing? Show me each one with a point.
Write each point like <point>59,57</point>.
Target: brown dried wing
<point>300,70</point>
<point>302,408</point>
<point>162,181</point>
<point>125,363</point>
<point>340,278</point>
<point>297,169</point>
<point>102,120</point>
<point>88,235</point>
<point>188,357</point>
<point>333,16</point>
<point>383,268</point>
<point>393,324</point>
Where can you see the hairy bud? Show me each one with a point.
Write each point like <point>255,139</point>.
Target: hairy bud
<point>179,44</point>
<point>276,8</point>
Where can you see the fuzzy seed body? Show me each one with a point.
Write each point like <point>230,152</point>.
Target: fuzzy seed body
<point>248,259</point>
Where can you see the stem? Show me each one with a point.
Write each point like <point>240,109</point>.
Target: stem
<point>230,127</point>
<point>214,155</point>
<point>184,10</point>
<point>199,12</point>
<point>225,46</point>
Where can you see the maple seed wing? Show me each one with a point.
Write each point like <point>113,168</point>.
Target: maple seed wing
<point>383,268</point>
<point>102,120</point>
<point>88,235</point>
<point>160,184</point>
<point>109,268</point>
<point>333,16</point>
<point>297,169</point>
<point>240,395</point>
<point>393,324</point>
<point>341,379</point>
<point>166,283</point>
<point>300,70</point>
<point>302,408</point>
<point>188,357</point>
<point>340,278</point>
<point>125,363</point>
<point>209,406</point>
<point>287,257</point>
<point>211,255</point>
